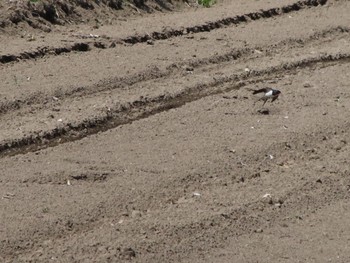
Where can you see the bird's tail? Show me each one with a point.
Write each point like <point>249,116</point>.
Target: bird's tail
<point>257,90</point>
<point>250,89</point>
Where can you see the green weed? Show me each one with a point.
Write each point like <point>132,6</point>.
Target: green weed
<point>206,3</point>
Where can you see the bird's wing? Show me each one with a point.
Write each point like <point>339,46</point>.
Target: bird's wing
<point>260,90</point>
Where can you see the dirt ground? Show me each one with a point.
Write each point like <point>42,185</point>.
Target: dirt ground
<point>132,135</point>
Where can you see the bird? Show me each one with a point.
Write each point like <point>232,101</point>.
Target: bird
<point>269,93</point>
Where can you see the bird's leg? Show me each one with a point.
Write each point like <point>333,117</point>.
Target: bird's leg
<point>264,102</point>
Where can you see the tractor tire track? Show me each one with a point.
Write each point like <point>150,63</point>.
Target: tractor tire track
<point>154,73</point>
<point>303,198</point>
<point>144,108</point>
<point>155,36</point>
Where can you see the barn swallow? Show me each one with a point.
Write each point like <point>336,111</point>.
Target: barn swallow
<point>268,94</point>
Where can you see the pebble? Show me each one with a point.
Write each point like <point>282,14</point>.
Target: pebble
<point>264,111</point>
<point>136,213</point>
<point>128,253</point>
<point>307,85</point>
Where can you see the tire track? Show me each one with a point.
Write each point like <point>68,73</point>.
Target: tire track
<point>175,68</point>
<point>144,108</point>
<point>155,36</point>
<point>252,216</point>
<point>304,198</point>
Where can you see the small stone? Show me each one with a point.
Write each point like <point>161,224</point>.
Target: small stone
<point>240,179</point>
<point>311,150</point>
<point>128,253</point>
<point>264,111</point>
<point>226,216</point>
<point>314,157</point>
<point>338,148</point>
<point>307,85</point>
<point>136,213</point>
<point>259,230</point>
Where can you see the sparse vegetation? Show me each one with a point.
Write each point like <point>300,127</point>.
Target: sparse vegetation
<point>45,210</point>
<point>206,3</point>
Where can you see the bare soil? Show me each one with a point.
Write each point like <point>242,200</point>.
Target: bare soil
<point>130,133</point>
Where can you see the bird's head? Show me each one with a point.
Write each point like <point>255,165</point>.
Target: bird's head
<point>277,92</point>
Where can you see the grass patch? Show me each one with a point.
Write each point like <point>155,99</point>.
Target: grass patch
<point>206,3</point>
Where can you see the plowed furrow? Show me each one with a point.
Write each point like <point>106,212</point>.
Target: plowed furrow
<point>138,109</point>
<point>226,22</point>
<point>173,69</point>
<point>302,200</point>
<point>154,36</point>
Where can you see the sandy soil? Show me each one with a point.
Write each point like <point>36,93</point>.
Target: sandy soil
<point>139,140</point>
